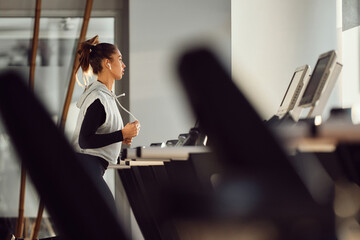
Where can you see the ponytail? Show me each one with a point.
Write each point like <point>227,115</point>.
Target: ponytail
<point>84,52</point>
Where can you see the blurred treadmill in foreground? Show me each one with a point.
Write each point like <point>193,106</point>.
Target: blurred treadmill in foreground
<point>259,188</point>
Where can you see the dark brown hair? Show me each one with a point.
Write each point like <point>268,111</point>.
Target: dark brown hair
<point>92,52</point>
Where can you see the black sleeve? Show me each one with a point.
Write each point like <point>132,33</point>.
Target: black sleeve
<point>95,116</point>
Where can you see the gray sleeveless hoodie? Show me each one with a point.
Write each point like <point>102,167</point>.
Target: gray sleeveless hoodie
<point>113,121</point>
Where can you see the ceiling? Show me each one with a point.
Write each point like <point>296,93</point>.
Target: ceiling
<point>16,18</point>
<point>26,5</point>
<point>54,28</point>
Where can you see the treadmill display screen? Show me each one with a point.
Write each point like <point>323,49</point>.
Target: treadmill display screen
<point>315,81</point>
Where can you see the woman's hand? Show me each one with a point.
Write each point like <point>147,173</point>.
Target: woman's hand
<point>131,130</point>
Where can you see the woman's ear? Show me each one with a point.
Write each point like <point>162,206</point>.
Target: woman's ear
<point>107,63</point>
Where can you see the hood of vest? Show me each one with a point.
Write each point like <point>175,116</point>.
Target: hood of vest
<point>95,86</point>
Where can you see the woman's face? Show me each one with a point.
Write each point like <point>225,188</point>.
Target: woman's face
<point>117,65</point>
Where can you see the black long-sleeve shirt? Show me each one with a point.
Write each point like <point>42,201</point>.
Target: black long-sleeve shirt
<point>95,116</point>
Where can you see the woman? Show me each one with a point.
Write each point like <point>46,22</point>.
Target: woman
<point>99,130</point>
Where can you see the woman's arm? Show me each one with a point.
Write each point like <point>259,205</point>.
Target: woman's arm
<point>95,116</point>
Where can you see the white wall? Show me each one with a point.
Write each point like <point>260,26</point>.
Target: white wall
<point>351,76</point>
<point>158,31</point>
<point>271,38</point>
